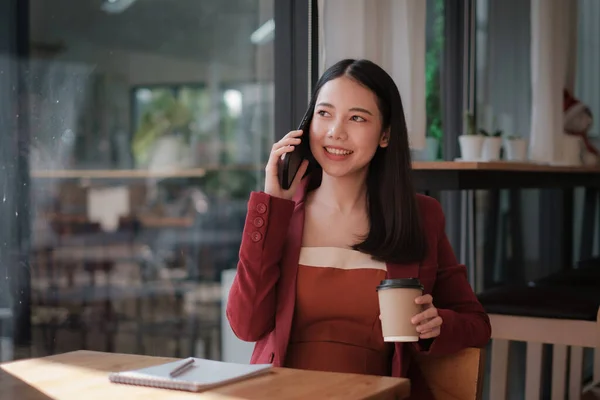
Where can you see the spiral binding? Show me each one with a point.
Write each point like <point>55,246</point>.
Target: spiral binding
<point>153,382</point>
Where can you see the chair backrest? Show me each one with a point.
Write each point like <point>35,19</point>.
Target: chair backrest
<point>454,377</point>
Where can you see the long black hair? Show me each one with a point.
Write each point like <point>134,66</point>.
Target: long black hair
<point>395,233</point>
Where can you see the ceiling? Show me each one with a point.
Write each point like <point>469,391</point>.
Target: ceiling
<point>190,29</point>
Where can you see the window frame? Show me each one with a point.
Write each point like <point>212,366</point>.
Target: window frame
<point>291,58</point>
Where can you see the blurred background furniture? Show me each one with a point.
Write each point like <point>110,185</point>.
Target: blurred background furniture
<point>562,311</point>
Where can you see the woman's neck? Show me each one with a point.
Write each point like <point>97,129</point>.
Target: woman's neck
<point>345,194</point>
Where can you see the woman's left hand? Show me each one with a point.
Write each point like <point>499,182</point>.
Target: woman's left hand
<point>428,322</point>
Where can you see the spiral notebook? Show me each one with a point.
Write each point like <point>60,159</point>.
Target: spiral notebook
<point>199,376</point>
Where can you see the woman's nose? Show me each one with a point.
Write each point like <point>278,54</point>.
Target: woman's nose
<point>337,131</point>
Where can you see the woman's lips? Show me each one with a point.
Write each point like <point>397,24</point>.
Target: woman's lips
<point>337,153</point>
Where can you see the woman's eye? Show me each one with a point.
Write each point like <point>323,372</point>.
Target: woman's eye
<point>322,113</point>
<point>357,118</point>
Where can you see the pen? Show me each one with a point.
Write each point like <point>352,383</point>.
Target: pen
<point>179,369</point>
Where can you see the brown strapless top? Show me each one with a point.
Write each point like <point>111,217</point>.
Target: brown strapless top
<point>336,324</point>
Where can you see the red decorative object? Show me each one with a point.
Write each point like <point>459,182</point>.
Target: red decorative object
<point>578,120</point>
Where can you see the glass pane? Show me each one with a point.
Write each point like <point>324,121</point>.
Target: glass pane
<point>433,98</point>
<point>434,31</point>
<point>149,124</point>
<point>587,77</point>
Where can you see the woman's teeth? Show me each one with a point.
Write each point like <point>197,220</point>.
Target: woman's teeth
<point>338,152</point>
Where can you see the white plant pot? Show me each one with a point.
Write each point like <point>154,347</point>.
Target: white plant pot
<point>516,149</point>
<point>471,147</point>
<point>491,149</point>
<point>428,153</point>
<point>431,148</point>
<point>570,150</point>
<point>170,152</point>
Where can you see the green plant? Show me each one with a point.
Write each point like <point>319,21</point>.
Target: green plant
<point>433,102</point>
<point>470,123</point>
<point>496,133</point>
<point>164,115</point>
<point>513,136</point>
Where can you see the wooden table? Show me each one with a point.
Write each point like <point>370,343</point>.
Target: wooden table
<point>84,375</point>
<point>463,175</point>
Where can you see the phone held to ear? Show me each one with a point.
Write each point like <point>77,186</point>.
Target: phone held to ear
<point>290,163</point>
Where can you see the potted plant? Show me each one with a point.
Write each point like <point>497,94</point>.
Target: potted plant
<point>492,144</point>
<point>471,143</point>
<point>515,148</point>
<point>163,137</point>
<point>432,148</point>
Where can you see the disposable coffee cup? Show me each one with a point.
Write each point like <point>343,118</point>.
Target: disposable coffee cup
<point>397,307</point>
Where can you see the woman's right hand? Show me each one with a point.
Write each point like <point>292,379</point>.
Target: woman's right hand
<point>285,145</point>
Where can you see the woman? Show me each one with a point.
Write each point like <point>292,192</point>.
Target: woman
<point>311,256</point>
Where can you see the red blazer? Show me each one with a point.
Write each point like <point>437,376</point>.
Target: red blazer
<point>261,301</point>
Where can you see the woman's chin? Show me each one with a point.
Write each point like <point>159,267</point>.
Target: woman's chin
<point>339,172</point>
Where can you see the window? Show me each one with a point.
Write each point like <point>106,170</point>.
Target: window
<point>143,126</point>
<point>434,49</point>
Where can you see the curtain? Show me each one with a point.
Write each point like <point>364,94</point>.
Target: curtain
<point>504,71</point>
<point>390,33</point>
<point>587,86</point>
<point>553,49</point>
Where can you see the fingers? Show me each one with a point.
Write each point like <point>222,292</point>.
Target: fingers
<point>285,145</point>
<point>430,325</point>
<point>295,133</point>
<point>425,315</point>
<point>424,300</point>
<point>292,138</point>
<point>428,322</point>
<point>435,332</point>
<point>288,141</point>
<point>274,157</point>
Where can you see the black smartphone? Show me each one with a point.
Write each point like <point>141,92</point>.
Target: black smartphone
<point>290,163</point>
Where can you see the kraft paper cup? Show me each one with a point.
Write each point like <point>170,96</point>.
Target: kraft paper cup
<point>397,307</point>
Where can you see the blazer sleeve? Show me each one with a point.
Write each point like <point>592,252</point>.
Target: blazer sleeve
<point>465,322</point>
<point>252,296</point>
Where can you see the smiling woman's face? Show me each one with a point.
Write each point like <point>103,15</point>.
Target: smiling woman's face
<point>345,131</point>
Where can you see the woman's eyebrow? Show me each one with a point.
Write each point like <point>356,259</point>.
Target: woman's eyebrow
<point>359,109</point>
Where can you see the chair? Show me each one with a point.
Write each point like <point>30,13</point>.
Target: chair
<point>566,317</point>
<point>457,376</point>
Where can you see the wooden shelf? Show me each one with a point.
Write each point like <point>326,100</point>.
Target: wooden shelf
<point>499,166</point>
<point>137,173</point>
<point>119,173</point>
<point>462,175</point>
<point>200,172</point>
